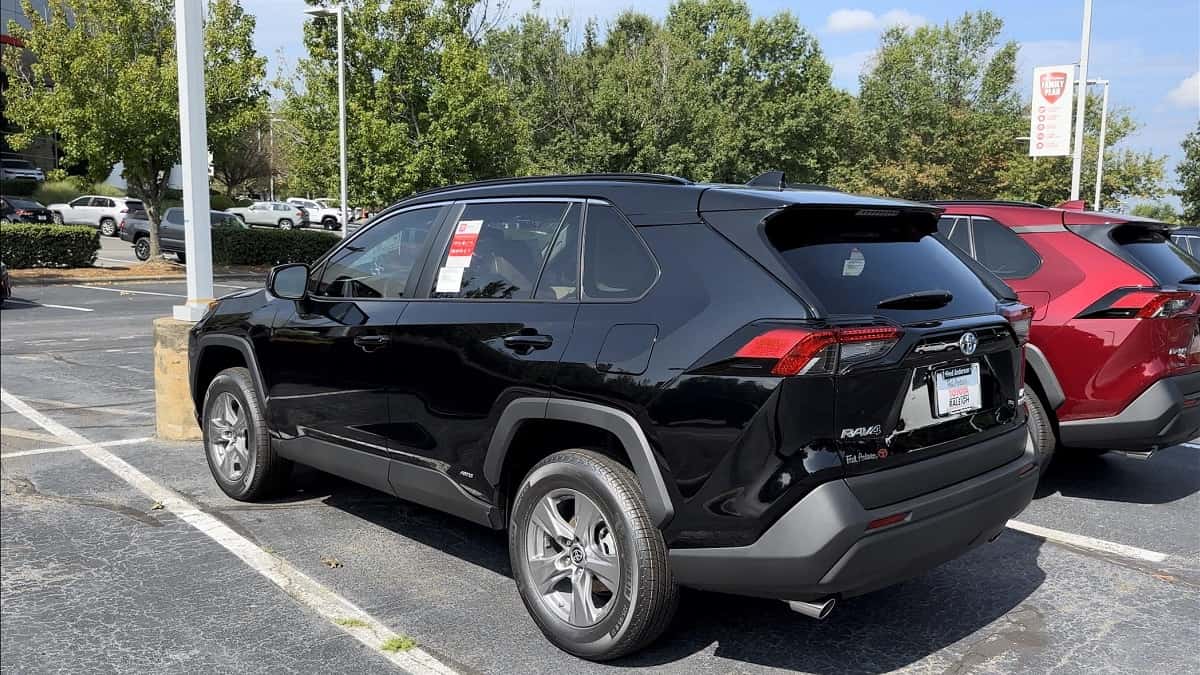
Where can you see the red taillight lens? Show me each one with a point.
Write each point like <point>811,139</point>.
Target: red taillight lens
<point>802,351</point>
<point>24,212</point>
<point>1021,318</point>
<point>1141,304</point>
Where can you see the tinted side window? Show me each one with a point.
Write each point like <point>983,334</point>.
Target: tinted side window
<point>957,230</point>
<point>102,201</point>
<point>1003,252</point>
<point>560,276</point>
<point>82,201</point>
<point>174,216</point>
<point>616,264</point>
<point>377,263</point>
<point>497,249</point>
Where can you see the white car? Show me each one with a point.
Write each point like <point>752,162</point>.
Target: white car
<point>319,211</point>
<point>95,210</point>
<point>283,215</point>
<point>19,169</point>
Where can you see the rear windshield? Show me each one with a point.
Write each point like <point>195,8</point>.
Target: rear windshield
<point>851,263</point>
<point>17,164</point>
<point>24,204</point>
<point>1154,251</point>
<point>132,204</point>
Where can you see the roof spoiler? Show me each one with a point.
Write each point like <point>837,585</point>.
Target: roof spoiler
<point>776,180</point>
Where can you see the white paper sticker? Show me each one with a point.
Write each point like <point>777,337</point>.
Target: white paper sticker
<point>854,265</point>
<point>449,280</point>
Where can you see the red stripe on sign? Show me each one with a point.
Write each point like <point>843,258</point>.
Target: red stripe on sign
<point>10,40</point>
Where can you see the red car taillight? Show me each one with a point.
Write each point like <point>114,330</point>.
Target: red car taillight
<point>1020,317</point>
<point>1136,303</point>
<point>804,351</point>
<point>23,212</point>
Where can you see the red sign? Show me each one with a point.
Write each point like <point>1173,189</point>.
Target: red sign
<point>462,245</point>
<point>1052,86</point>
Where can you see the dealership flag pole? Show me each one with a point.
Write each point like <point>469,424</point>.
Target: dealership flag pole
<point>1100,151</point>
<point>189,46</point>
<point>1081,105</point>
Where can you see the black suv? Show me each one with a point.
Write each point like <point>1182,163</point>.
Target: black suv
<point>789,393</point>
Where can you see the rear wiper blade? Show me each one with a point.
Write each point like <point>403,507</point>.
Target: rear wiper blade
<point>918,300</point>
<point>1194,279</point>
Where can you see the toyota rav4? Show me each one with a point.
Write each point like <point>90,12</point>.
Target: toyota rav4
<point>651,383</point>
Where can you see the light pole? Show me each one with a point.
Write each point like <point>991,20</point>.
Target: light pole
<point>338,10</point>
<point>1103,132</point>
<point>193,131</point>
<point>1085,43</point>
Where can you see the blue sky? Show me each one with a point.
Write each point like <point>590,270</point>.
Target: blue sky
<point>1149,50</point>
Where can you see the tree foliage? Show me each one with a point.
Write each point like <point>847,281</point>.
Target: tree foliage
<point>1156,211</point>
<point>105,81</point>
<point>1189,177</point>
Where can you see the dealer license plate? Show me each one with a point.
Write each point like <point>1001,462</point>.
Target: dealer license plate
<point>956,390</point>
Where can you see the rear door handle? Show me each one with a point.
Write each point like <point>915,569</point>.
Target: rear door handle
<point>370,343</point>
<point>528,342</point>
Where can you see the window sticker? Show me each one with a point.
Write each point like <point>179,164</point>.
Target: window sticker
<point>854,265</point>
<point>450,279</point>
<point>462,246</point>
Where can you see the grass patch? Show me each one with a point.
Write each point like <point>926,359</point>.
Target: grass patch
<point>351,623</point>
<point>400,643</point>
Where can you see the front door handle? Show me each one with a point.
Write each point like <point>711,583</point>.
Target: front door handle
<point>526,343</point>
<point>369,343</point>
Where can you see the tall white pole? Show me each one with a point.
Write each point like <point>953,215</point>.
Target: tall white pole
<point>341,39</point>
<point>193,123</point>
<point>1100,152</point>
<point>1081,105</point>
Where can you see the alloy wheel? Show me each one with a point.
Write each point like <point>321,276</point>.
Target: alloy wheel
<point>228,437</point>
<point>572,557</point>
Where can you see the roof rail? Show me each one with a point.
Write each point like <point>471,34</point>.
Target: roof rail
<point>521,180</point>
<point>985,202</point>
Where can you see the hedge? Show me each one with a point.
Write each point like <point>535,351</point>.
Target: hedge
<point>24,245</point>
<point>236,246</point>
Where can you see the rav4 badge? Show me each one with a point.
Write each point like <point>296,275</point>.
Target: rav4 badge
<point>862,432</point>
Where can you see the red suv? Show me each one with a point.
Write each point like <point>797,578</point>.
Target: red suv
<point>1113,361</point>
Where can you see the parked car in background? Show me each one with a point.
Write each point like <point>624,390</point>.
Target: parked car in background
<point>1188,239</point>
<point>327,217</point>
<point>19,169</point>
<point>283,215</point>
<point>136,230</point>
<point>95,210</point>
<point>23,210</point>
<point>793,394</point>
<point>1114,356</point>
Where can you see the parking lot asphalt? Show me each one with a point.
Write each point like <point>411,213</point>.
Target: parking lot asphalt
<point>94,577</point>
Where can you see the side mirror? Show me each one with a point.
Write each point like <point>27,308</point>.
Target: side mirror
<point>289,282</point>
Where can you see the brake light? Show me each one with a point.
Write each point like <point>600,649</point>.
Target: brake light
<point>1020,317</point>
<point>1141,304</point>
<point>803,351</point>
<point>24,212</point>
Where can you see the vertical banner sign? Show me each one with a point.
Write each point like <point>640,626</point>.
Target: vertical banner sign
<point>1050,111</point>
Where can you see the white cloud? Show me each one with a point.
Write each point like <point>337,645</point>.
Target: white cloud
<point>853,20</point>
<point>1187,92</point>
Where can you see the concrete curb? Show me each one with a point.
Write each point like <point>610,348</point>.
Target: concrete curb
<point>59,281</point>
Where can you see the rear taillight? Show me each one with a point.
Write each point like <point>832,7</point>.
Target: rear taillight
<point>24,212</point>
<point>124,211</point>
<point>1134,303</point>
<point>804,351</point>
<point>1020,317</point>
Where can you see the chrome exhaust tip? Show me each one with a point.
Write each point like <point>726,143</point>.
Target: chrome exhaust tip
<point>813,610</point>
<point>1141,456</point>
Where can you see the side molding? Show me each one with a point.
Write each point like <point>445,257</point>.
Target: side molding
<point>242,345</point>
<point>619,423</point>
<point>1036,361</point>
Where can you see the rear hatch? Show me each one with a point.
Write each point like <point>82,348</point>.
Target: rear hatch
<point>922,354</point>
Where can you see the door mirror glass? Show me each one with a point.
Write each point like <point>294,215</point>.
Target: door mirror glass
<point>288,281</point>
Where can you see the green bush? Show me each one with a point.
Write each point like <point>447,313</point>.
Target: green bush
<point>220,202</point>
<point>18,188</point>
<point>236,246</point>
<point>24,245</point>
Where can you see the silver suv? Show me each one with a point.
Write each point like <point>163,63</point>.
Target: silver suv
<point>95,210</point>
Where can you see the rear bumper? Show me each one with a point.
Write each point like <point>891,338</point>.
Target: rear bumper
<point>822,547</point>
<point>1168,412</point>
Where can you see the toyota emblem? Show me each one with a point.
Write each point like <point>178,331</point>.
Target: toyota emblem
<point>967,343</point>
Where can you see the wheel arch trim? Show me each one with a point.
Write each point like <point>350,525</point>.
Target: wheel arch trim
<point>619,423</point>
<point>243,346</point>
<point>1035,360</point>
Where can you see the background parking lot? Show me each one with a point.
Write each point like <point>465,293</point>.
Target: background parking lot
<point>1100,574</point>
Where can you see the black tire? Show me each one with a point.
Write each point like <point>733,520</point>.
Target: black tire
<point>108,227</point>
<point>141,248</point>
<point>1041,430</point>
<point>285,224</point>
<point>263,473</point>
<point>329,223</point>
<point>181,256</point>
<point>57,218</point>
<point>647,596</point>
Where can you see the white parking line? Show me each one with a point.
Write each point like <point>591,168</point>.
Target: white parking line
<point>63,448</point>
<point>124,290</point>
<point>1080,541</point>
<point>28,303</point>
<point>1194,446</point>
<point>324,601</point>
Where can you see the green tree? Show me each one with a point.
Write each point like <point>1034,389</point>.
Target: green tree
<point>1157,211</point>
<point>937,112</point>
<point>423,107</point>
<point>1127,173</point>
<point>1189,177</point>
<point>105,80</point>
